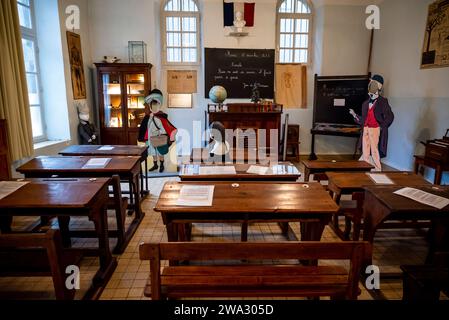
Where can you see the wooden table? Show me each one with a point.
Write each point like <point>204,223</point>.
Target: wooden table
<point>349,182</point>
<point>284,171</point>
<point>382,204</point>
<point>439,167</point>
<point>201,155</point>
<point>131,150</point>
<point>309,204</point>
<point>63,199</point>
<point>314,167</point>
<point>127,168</point>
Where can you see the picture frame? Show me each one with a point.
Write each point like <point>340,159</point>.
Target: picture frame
<point>76,65</point>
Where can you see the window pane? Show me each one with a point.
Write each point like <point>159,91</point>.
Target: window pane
<point>189,39</point>
<point>286,25</point>
<point>173,5</point>
<point>189,6</point>
<point>302,25</point>
<point>36,121</point>
<point>286,41</point>
<point>29,55</point>
<point>301,56</point>
<point>287,7</point>
<point>189,55</point>
<point>173,39</point>
<point>301,41</point>
<point>189,24</point>
<point>25,16</point>
<point>33,88</point>
<point>173,24</point>
<point>174,54</point>
<point>302,7</point>
<point>286,55</point>
<point>25,2</point>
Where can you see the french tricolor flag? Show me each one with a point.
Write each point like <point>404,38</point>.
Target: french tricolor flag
<point>231,7</point>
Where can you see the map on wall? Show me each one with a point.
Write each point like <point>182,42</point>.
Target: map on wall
<point>436,41</point>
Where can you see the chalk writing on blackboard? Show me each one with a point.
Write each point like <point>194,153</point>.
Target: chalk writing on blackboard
<point>238,70</point>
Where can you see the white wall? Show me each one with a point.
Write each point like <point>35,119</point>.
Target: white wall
<point>419,97</point>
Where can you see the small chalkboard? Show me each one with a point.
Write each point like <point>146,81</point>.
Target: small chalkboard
<point>334,96</point>
<point>237,70</point>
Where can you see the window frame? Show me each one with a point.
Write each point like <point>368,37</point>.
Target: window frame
<point>284,15</point>
<point>31,35</point>
<point>164,15</point>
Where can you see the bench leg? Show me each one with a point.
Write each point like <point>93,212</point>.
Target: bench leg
<point>244,236</point>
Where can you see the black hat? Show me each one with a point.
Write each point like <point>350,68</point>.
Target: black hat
<point>378,78</point>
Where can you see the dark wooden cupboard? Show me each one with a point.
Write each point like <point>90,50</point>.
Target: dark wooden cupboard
<point>122,88</point>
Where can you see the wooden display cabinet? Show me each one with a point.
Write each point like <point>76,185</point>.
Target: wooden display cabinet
<point>122,88</point>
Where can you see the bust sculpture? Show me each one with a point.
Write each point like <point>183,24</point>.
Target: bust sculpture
<point>239,23</point>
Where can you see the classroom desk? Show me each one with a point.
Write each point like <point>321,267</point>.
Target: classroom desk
<point>129,150</point>
<point>309,204</point>
<point>201,155</point>
<point>314,167</point>
<point>63,199</point>
<point>349,182</point>
<point>382,204</point>
<point>284,171</point>
<point>127,168</point>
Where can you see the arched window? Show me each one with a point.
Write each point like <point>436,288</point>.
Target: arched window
<point>294,22</point>
<point>181,32</point>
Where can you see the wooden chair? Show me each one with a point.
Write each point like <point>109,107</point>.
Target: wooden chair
<point>255,280</point>
<point>38,254</point>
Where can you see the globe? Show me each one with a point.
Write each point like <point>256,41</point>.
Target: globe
<point>218,94</point>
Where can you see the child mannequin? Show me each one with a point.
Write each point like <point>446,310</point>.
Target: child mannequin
<point>86,130</point>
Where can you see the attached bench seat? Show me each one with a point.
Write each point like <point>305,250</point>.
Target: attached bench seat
<point>251,280</point>
<point>38,255</point>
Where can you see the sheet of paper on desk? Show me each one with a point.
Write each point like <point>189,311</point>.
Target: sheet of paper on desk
<point>106,148</point>
<point>8,187</point>
<point>96,163</point>
<point>196,196</point>
<point>380,178</point>
<point>258,170</point>
<point>216,170</point>
<point>424,197</point>
<point>278,169</point>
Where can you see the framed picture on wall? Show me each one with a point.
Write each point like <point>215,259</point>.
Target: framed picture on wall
<point>76,65</point>
<point>436,41</point>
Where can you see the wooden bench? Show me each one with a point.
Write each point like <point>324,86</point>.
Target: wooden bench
<point>38,255</point>
<point>255,280</point>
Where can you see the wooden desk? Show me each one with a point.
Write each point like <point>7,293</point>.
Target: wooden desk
<point>349,182</point>
<point>431,163</point>
<point>93,150</point>
<point>65,199</point>
<point>202,155</point>
<point>382,204</point>
<point>127,168</point>
<point>251,202</point>
<point>284,171</point>
<point>314,167</point>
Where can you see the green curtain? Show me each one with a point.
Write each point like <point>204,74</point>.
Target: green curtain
<point>14,104</point>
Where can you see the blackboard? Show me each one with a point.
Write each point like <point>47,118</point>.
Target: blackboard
<point>237,70</point>
<point>334,96</point>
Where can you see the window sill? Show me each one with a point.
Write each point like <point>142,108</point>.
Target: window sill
<point>45,144</point>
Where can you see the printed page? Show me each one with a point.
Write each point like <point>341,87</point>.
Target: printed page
<point>424,197</point>
<point>97,163</point>
<point>196,196</point>
<point>106,148</point>
<point>258,170</point>
<point>8,187</point>
<point>217,170</point>
<point>380,178</point>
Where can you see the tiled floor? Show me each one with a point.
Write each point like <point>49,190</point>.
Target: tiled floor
<point>392,248</point>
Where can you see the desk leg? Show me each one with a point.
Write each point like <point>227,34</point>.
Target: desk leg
<point>438,174</point>
<point>107,262</point>
<point>312,154</point>
<point>64,222</point>
<point>306,174</point>
<point>146,175</point>
<point>312,231</point>
<point>244,234</point>
<point>120,214</point>
<point>136,191</point>
<point>5,224</point>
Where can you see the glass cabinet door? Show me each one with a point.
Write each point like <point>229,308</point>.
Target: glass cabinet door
<point>112,95</point>
<point>135,94</point>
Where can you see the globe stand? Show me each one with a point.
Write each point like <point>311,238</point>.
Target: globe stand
<point>217,107</point>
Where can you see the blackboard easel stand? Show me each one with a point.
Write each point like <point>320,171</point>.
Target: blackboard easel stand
<point>315,132</point>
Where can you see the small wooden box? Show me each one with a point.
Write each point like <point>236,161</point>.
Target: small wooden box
<point>438,150</point>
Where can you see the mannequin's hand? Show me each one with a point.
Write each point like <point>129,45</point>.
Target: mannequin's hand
<point>94,137</point>
<point>90,140</point>
<point>352,112</point>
